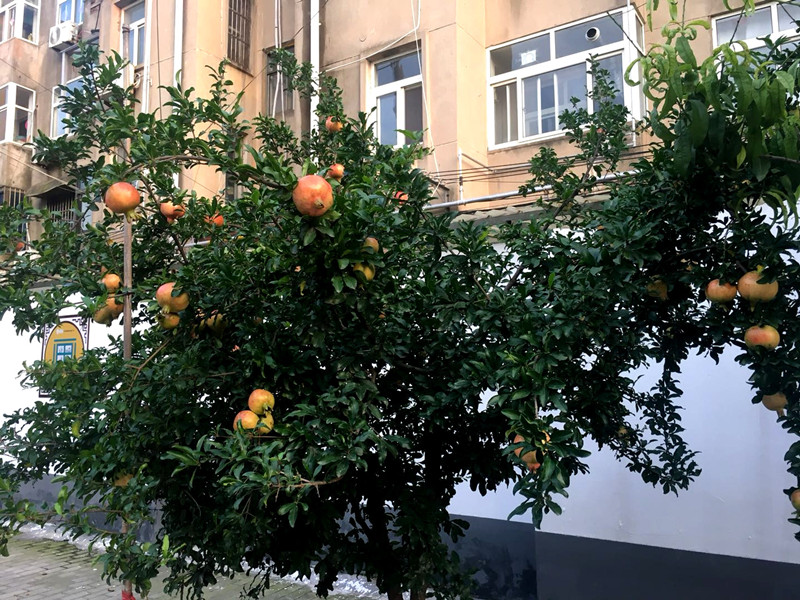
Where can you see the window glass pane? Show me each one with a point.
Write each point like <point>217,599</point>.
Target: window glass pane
<point>11,17</point>
<point>739,27</point>
<point>139,45</point>
<point>396,69</point>
<point>522,54</point>
<point>3,28</point>
<point>3,113</point>
<point>505,113</point>
<point>28,22</point>
<point>613,64</point>
<point>78,16</point>
<point>530,100</point>
<point>21,125</point>
<point>134,13</point>
<point>413,110</point>
<point>586,36</point>
<point>571,84</point>
<point>24,98</point>
<point>3,95</point>
<point>387,119</point>
<point>787,15</point>
<point>548,102</point>
<point>65,11</point>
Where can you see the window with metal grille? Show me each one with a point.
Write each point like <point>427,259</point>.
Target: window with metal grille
<point>61,206</point>
<point>239,33</point>
<point>14,197</point>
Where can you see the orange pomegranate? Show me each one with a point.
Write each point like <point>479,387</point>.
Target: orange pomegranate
<point>765,336</point>
<point>750,288</point>
<point>169,302</point>
<point>367,270</point>
<point>795,499</point>
<point>336,171</point>
<point>371,242</point>
<point>312,196</point>
<point>776,402</point>
<point>719,292</point>
<point>168,320</point>
<point>122,198</point>
<point>247,418</point>
<point>657,288</point>
<point>112,282</point>
<point>261,401</point>
<point>333,124</point>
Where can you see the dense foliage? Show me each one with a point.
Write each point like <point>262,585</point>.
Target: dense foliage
<point>390,390</point>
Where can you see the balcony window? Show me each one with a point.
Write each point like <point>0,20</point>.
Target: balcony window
<point>19,19</point>
<point>774,20</point>
<point>532,81</point>
<point>16,113</point>
<point>70,11</point>
<point>133,34</point>
<point>398,98</point>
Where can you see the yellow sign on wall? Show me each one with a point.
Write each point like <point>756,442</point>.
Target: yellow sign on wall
<point>65,341</point>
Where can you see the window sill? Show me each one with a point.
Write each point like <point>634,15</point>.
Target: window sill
<point>529,141</point>
<point>27,41</point>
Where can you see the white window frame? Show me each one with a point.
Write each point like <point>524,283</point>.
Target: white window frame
<point>13,28</point>
<point>395,87</point>
<point>10,108</point>
<point>75,11</point>
<point>139,28</point>
<point>57,128</point>
<point>628,48</point>
<point>752,43</point>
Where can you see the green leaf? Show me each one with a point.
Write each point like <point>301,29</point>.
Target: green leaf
<point>310,236</point>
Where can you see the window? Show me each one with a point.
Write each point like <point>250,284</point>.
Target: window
<point>398,98</point>
<point>16,113</point>
<point>70,11</point>
<point>239,33</point>
<point>280,98</point>
<point>19,19</point>
<point>15,197</point>
<point>133,30</point>
<point>533,80</point>
<point>70,80</point>
<point>774,20</point>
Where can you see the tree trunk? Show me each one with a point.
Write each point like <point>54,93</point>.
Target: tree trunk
<point>394,594</point>
<point>418,593</point>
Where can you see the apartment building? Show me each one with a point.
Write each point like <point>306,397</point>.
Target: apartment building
<point>485,81</point>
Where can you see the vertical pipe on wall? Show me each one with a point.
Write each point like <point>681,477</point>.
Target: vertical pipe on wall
<point>177,48</point>
<point>148,38</point>
<point>314,56</point>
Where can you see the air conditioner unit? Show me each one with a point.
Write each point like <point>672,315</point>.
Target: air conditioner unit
<point>63,35</point>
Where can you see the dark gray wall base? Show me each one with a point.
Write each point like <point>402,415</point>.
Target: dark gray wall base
<point>502,555</point>
<point>571,568</point>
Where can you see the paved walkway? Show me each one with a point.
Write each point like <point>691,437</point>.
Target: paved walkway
<point>43,569</point>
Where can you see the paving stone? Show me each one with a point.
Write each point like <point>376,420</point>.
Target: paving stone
<point>42,569</point>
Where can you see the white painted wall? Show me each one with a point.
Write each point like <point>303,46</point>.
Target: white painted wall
<point>736,507</point>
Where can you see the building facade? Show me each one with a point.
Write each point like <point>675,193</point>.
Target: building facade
<point>485,82</point>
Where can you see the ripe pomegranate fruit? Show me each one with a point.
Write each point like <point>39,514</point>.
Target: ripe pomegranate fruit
<point>720,292</point>
<point>168,320</point>
<point>333,124</point>
<point>172,211</point>
<point>265,424</point>
<point>312,196</point>
<point>532,459</point>
<point>336,171</point>
<point>261,401</point>
<point>401,197</point>
<point>247,418</point>
<point>112,282</point>
<point>367,270</point>
<point>114,308</point>
<point>371,242</point>
<point>217,220</point>
<point>750,289</point>
<point>762,335</point>
<point>102,316</point>
<point>168,302</point>
<point>122,198</point>
<point>776,402</point>
<point>795,499</point>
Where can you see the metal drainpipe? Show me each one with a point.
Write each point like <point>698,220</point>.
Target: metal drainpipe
<point>314,57</point>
